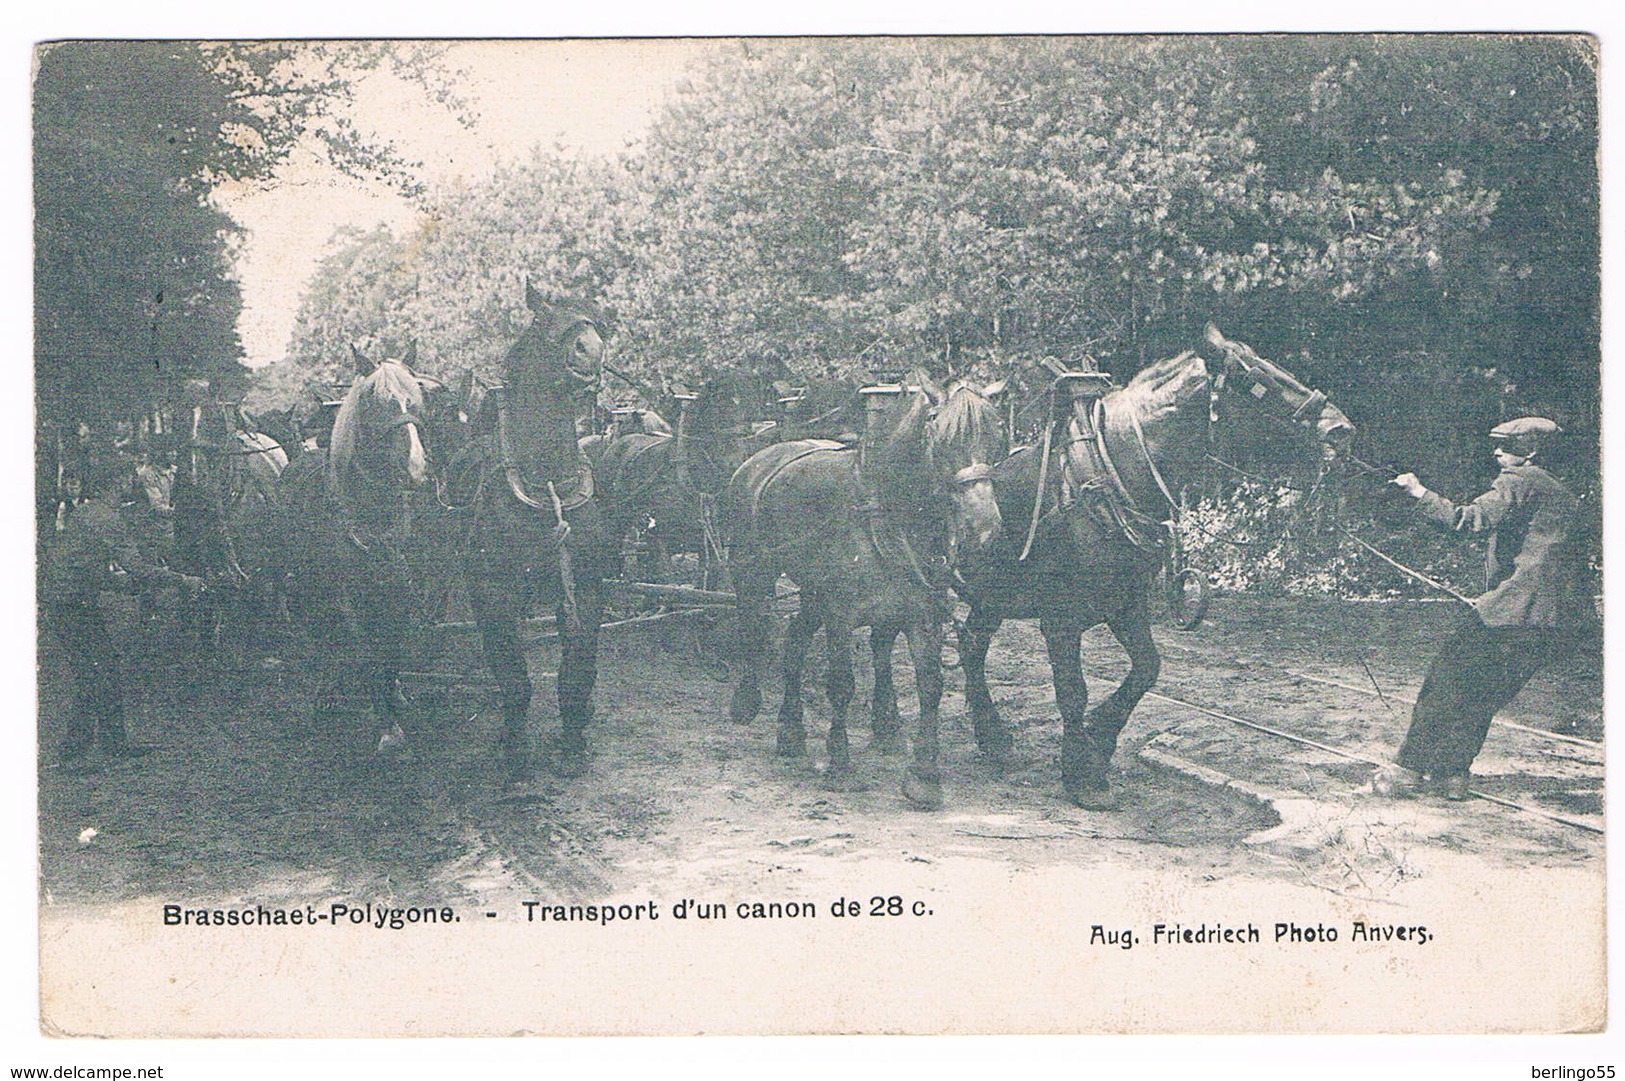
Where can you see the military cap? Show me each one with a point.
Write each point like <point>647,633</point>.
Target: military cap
<point>1524,435</point>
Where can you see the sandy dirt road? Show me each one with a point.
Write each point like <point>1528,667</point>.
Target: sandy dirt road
<point>246,803</point>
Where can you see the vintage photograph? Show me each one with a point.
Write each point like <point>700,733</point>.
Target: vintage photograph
<point>799,536</point>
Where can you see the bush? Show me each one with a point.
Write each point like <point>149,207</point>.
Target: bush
<point>1274,539</point>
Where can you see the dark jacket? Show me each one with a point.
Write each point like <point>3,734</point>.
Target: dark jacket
<point>94,552</point>
<point>1531,575</point>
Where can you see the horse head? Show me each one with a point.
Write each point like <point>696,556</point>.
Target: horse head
<point>448,413</point>
<point>562,351</point>
<point>377,449</point>
<point>966,439</point>
<point>1276,390</point>
<point>926,442</point>
<point>715,424</point>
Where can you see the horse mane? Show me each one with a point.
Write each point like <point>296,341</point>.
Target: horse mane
<point>1164,386</point>
<point>967,419</point>
<point>391,382</point>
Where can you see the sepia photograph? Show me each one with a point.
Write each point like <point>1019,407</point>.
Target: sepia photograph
<point>791,536</point>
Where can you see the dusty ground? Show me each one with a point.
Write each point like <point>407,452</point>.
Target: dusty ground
<point>244,801</point>
<point>245,805</point>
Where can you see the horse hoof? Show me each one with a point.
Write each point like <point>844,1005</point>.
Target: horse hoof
<point>1002,760</point>
<point>889,743</point>
<point>569,761</point>
<point>744,708</point>
<point>924,793</point>
<point>842,779</point>
<point>392,741</point>
<point>1103,798</point>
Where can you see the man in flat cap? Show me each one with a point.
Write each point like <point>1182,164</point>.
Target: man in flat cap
<point>95,552</point>
<point>1525,620</point>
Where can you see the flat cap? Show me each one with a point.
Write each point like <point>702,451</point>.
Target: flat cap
<point>1525,426</point>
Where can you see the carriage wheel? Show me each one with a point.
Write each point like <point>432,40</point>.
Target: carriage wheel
<point>1188,596</point>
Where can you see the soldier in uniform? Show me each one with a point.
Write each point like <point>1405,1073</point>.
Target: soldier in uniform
<point>1526,619</point>
<point>95,552</point>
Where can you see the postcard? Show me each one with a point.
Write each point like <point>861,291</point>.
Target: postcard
<point>791,536</point>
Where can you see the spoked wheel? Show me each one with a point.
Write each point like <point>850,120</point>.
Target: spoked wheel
<point>1188,596</point>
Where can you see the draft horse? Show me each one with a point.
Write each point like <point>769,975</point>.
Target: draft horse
<point>537,534</point>
<point>1094,518</point>
<point>869,535</point>
<point>224,498</point>
<point>351,526</point>
<point>662,487</point>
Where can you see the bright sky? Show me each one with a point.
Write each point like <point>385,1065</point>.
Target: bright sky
<point>591,97</point>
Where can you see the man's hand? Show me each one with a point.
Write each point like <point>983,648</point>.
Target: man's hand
<point>1410,483</point>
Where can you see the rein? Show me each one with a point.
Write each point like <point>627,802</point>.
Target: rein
<point>1121,502</point>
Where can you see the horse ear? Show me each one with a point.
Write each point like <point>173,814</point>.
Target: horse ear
<point>921,378</point>
<point>363,366</point>
<point>534,300</point>
<point>1214,347</point>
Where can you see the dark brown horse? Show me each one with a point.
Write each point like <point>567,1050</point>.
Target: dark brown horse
<point>661,488</point>
<point>350,525</point>
<point>1081,546</point>
<point>868,534</point>
<point>536,533</point>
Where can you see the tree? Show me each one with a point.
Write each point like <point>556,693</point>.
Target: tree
<point>455,283</point>
<point>134,292</point>
<point>132,287</point>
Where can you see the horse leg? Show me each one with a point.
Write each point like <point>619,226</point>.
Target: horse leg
<point>993,736</point>
<point>792,741</point>
<point>1083,768</point>
<point>578,675</point>
<point>325,623</point>
<point>839,686</point>
<point>381,614</point>
<point>922,781</point>
<point>755,594</point>
<point>496,610</point>
<point>888,726</point>
<point>1131,626</point>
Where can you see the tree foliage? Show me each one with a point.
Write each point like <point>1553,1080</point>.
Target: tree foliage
<point>132,273</point>
<point>1372,210</point>
<point>135,292</point>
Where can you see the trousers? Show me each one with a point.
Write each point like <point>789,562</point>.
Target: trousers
<point>1479,670</point>
<point>98,684</point>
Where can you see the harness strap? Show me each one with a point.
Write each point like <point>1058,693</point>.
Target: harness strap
<point>761,485</point>
<point>1106,454</point>
<point>1314,403</point>
<point>567,578</point>
<point>1156,474</point>
<point>679,446</point>
<point>1038,499</point>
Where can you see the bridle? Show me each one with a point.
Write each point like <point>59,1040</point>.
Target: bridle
<point>1132,518</point>
<point>568,332</point>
